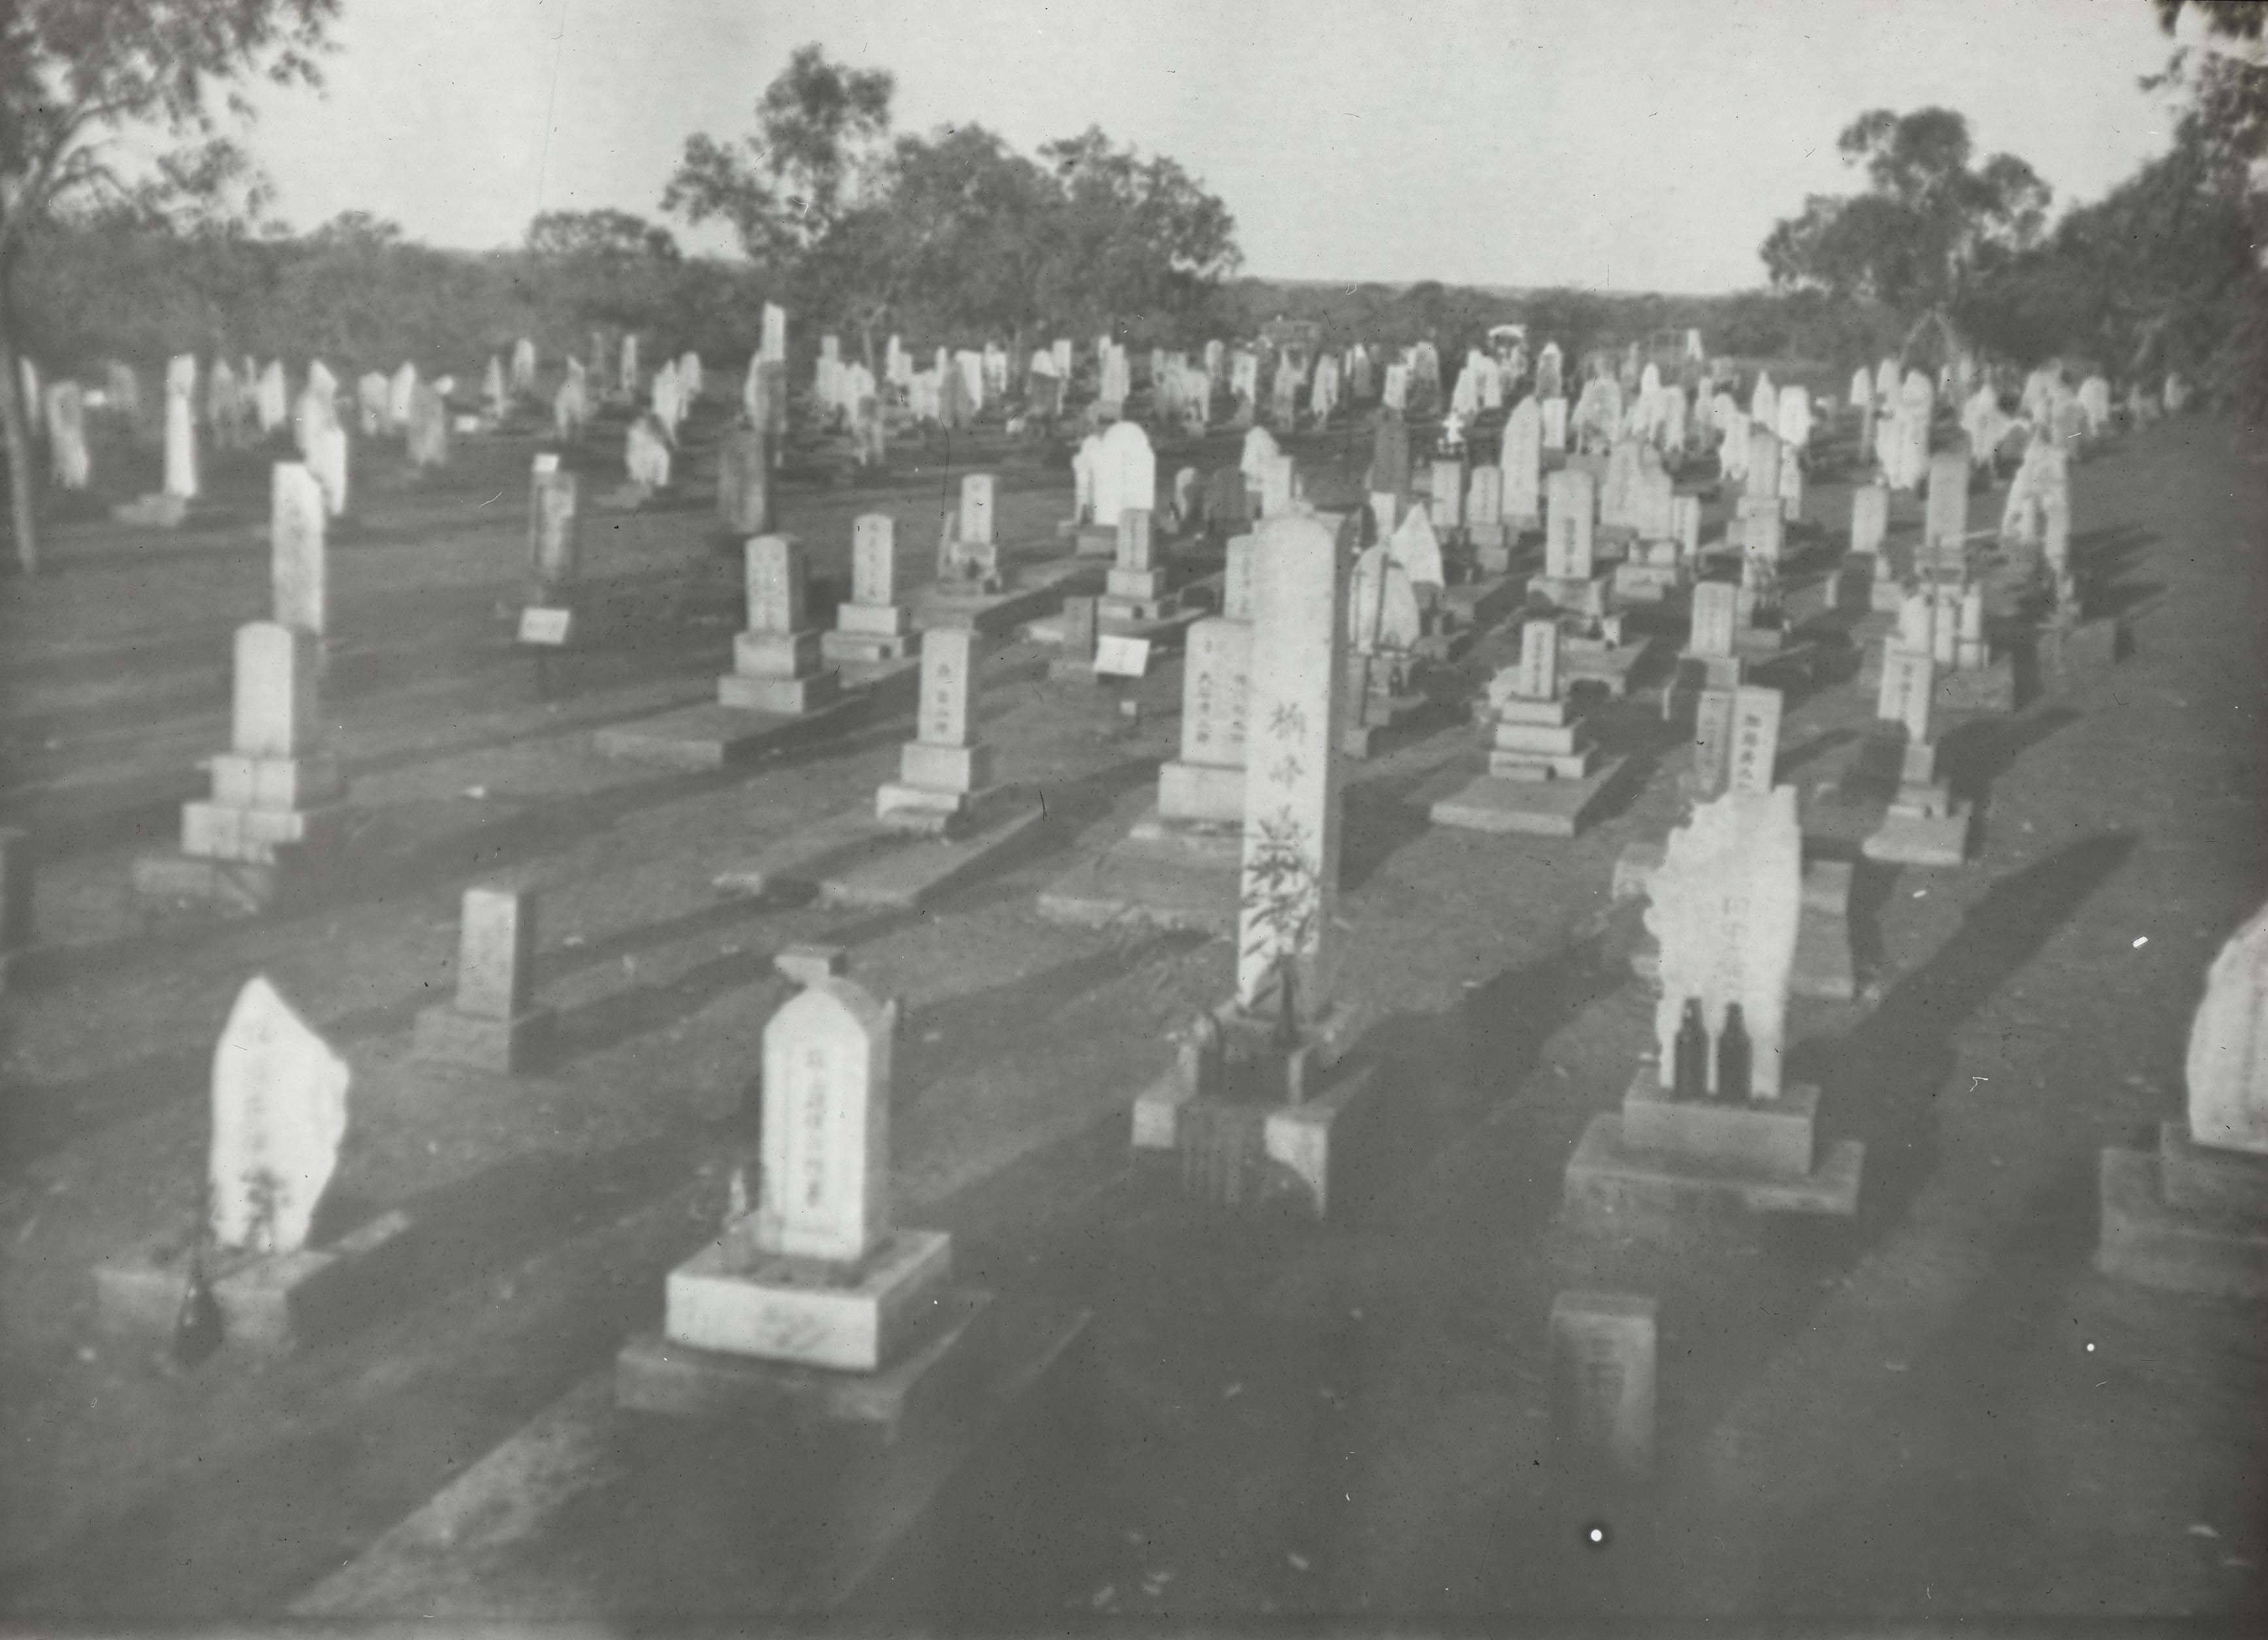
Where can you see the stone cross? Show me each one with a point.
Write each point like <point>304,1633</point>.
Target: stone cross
<point>826,1190</point>
<point>1568,502</point>
<point>1724,907</point>
<point>1715,620</point>
<point>873,559</point>
<point>279,1115</point>
<point>1288,896</point>
<point>298,563</point>
<point>976,490</point>
<point>2227,1073</point>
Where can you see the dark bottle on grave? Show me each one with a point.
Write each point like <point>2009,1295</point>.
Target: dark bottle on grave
<point>1690,1055</point>
<point>1733,1056</point>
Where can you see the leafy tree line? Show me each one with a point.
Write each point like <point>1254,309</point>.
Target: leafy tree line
<point>2163,273</point>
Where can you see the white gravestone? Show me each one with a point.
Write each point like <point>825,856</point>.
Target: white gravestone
<point>2228,1068</point>
<point>1289,889</point>
<point>826,1192</point>
<point>297,562</point>
<point>1724,907</point>
<point>279,1114</point>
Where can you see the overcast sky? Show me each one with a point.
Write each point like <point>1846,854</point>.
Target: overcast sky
<point>1640,145</point>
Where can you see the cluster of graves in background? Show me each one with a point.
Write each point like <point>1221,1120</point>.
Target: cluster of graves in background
<point>1318,638</point>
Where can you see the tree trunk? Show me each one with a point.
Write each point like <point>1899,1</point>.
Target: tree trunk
<point>15,418</point>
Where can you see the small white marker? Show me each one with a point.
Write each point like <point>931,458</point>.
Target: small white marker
<point>2141,942</point>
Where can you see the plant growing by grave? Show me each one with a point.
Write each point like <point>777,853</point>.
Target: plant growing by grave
<point>76,77</point>
<point>1282,897</point>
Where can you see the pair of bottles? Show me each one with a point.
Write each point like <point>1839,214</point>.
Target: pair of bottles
<point>1690,1065</point>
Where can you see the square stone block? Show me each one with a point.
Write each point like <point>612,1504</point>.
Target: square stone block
<point>1197,791</point>
<point>959,769</point>
<point>2147,1239</point>
<point>775,654</point>
<point>1771,1137</point>
<point>2199,1178</point>
<point>1523,710</point>
<point>1533,740</point>
<point>725,1299</point>
<point>447,1036</point>
<point>274,782</point>
<point>1916,840</point>
<point>1614,1188</point>
<point>782,696</point>
<point>872,620</point>
<point>213,831</point>
<point>268,1302</point>
<point>857,648</point>
<point>1137,586</point>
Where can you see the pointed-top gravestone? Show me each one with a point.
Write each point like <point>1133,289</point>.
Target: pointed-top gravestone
<point>1724,907</point>
<point>1289,891</point>
<point>279,1114</point>
<point>1383,614</point>
<point>2228,1068</point>
<point>827,1124</point>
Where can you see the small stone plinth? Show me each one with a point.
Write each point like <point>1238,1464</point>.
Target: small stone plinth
<point>1649,1168</point>
<point>1908,838</point>
<point>268,1302</point>
<point>1540,808</point>
<point>447,1035</point>
<point>2082,646</point>
<point>1237,1147</point>
<point>737,1302</point>
<point>785,697</point>
<point>926,1383</point>
<point>2185,1218</point>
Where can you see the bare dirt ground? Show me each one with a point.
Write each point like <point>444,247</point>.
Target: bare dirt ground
<point>1939,1410</point>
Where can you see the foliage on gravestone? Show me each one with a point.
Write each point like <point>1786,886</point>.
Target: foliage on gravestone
<point>76,75</point>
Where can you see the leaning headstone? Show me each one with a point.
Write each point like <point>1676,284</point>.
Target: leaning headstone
<point>777,661</point>
<point>299,562</point>
<point>493,1024</point>
<point>871,625</point>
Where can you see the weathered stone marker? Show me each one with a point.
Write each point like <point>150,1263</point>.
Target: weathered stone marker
<point>871,625</point>
<point>1206,783</point>
<point>777,664</point>
<point>494,1023</point>
<point>743,481</point>
<point>1604,1354</point>
<point>944,773</point>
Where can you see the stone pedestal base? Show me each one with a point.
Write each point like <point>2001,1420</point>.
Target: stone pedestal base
<point>157,512</point>
<point>863,648</point>
<point>1166,873</point>
<point>1583,594</point>
<point>782,697</point>
<point>924,1384</point>
<point>1584,661</point>
<point>1910,837</point>
<point>268,1302</point>
<point>1647,1169</point>
<point>735,1301</point>
<point>2185,1218</point>
<point>1542,808</point>
<point>447,1035</point>
<point>1239,1154</point>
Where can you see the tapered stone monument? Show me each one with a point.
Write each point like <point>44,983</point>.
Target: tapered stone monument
<point>493,1023</point>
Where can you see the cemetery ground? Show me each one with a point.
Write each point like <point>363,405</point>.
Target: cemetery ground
<point>1937,1409</point>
